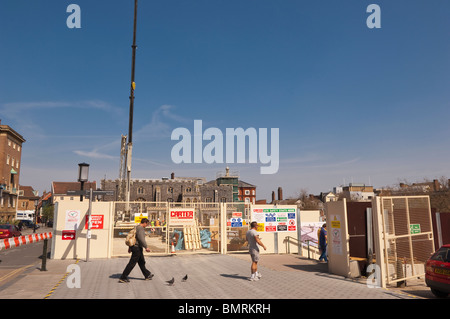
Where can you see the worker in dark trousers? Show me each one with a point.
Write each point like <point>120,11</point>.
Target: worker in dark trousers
<point>137,254</point>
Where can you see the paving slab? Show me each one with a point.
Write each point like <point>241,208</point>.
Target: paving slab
<point>217,277</point>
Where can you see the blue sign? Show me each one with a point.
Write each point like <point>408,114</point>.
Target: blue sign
<point>291,215</point>
<point>236,222</point>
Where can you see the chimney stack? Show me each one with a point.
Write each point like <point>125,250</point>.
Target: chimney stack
<point>172,176</point>
<point>273,196</point>
<point>280,193</point>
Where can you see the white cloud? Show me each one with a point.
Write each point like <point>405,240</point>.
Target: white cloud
<point>95,154</point>
<point>160,123</point>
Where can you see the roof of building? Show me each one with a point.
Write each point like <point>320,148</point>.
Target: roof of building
<point>7,129</point>
<point>61,188</point>
<point>245,184</point>
<point>28,192</point>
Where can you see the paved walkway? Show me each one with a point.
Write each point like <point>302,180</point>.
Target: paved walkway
<point>209,277</point>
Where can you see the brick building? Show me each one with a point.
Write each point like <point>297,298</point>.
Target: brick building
<point>247,192</point>
<point>225,188</point>
<point>176,189</point>
<point>27,198</point>
<point>10,161</point>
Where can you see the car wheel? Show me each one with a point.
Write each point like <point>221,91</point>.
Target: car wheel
<point>438,293</point>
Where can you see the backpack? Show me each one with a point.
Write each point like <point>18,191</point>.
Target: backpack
<point>131,238</point>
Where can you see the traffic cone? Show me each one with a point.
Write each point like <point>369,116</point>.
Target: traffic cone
<point>173,249</point>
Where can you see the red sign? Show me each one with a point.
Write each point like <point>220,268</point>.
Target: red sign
<point>96,220</point>
<point>181,217</point>
<point>236,215</point>
<point>182,214</point>
<point>292,228</point>
<point>271,228</point>
<point>68,235</point>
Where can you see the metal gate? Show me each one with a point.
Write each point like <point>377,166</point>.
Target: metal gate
<point>208,231</point>
<point>406,241</point>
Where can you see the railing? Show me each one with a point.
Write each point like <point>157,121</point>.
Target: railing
<point>301,244</point>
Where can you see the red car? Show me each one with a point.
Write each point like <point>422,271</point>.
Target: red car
<point>437,272</point>
<point>8,231</point>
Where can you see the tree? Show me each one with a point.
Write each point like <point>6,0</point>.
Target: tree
<point>47,212</point>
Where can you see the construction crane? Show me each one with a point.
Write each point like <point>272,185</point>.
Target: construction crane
<point>122,169</point>
<point>126,151</point>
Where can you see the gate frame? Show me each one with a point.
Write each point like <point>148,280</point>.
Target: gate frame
<point>222,210</point>
<point>381,237</point>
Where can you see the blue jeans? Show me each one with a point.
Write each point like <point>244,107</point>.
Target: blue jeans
<point>324,254</point>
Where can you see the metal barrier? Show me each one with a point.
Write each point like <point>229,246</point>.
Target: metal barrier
<point>23,240</point>
<point>310,249</point>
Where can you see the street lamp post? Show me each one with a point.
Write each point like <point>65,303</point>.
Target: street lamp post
<point>83,173</point>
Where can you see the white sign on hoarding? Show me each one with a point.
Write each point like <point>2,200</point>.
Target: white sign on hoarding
<point>72,219</point>
<point>181,217</point>
<point>336,237</point>
<point>273,219</point>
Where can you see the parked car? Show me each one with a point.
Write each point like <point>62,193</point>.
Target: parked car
<point>29,224</point>
<point>437,272</point>
<point>8,231</point>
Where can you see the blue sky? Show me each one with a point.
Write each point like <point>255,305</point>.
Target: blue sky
<point>351,103</point>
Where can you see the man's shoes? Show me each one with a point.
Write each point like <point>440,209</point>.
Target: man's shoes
<point>123,280</point>
<point>254,278</point>
<point>149,277</point>
<point>258,275</point>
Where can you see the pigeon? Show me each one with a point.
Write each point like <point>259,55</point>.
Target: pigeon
<point>185,278</point>
<point>171,282</point>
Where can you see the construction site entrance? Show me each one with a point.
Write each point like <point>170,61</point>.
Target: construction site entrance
<point>182,228</point>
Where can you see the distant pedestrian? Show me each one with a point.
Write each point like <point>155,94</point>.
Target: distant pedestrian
<point>323,243</point>
<point>253,242</point>
<point>137,254</point>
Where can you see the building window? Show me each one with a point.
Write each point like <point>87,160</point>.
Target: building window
<point>170,190</point>
<point>7,159</point>
<point>61,198</point>
<point>247,192</point>
<point>140,190</point>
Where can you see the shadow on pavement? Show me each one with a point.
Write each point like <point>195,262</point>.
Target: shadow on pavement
<point>310,266</point>
<point>234,276</point>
